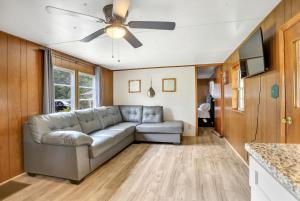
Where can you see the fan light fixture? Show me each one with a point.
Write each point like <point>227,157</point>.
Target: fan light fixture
<point>115,31</point>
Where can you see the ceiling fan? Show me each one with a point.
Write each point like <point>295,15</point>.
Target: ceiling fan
<point>115,18</point>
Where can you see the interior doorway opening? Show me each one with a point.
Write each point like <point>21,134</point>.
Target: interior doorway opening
<point>209,101</point>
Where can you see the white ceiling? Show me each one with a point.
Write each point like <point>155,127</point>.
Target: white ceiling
<point>207,31</point>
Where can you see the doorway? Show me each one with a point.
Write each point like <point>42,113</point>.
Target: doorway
<point>209,98</point>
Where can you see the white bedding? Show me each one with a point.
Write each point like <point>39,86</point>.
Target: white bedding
<point>203,111</point>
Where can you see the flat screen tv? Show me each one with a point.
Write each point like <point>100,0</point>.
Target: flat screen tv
<point>252,60</point>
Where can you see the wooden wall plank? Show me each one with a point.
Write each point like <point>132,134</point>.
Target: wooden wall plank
<point>219,97</point>
<point>107,87</point>
<point>4,149</point>
<point>295,7</point>
<point>24,86</point>
<point>14,105</point>
<point>33,74</point>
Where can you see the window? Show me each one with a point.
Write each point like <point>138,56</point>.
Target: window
<point>241,99</point>
<point>64,82</point>
<point>212,88</point>
<point>86,91</point>
<point>237,90</point>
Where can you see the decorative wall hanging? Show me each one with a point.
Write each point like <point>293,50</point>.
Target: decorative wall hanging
<point>169,84</point>
<point>151,92</point>
<point>134,86</point>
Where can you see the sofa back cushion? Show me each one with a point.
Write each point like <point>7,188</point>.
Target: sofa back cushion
<point>131,113</point>
<point>43,124</point>
<point>116,114</point>
<point>88,120</point>
<point>104,116</point>
<point>152,114</point>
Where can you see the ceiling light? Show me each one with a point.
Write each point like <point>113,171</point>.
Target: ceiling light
<point>115,31</point>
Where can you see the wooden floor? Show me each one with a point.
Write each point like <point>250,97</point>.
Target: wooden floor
<point>202,168</point>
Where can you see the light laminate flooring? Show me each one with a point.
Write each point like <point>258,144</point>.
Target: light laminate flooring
<point>203,168</point>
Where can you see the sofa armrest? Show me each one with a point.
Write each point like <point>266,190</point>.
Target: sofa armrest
<point>67,138</point>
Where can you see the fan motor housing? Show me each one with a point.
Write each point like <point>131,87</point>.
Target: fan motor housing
<point>110,18</point>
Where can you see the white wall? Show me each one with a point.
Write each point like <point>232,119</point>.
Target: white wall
<point>177,106</point>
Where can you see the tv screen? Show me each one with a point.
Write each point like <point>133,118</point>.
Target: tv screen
<point>252,61</point>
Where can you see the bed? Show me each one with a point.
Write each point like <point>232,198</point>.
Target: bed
<point>206,113</point>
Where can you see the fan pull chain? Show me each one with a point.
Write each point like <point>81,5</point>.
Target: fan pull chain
<point>119,51</point>
<point>112,48</point>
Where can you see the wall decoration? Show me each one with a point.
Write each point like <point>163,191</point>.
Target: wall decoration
<point>134,86</point>
<point>169,84</point>
<point>151,92</point>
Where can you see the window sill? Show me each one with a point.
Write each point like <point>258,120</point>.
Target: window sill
<point>238,111</point>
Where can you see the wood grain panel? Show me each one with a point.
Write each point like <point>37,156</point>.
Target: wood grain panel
<point>14,105</point>
<point>4,149</point>
<point>34,75</point>
<point>295,7</point>
<point>107,87</point>
<point>219,100</point>
<point>24,84</point>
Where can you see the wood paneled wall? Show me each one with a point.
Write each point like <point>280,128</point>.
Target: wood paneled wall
<point>240,127</point>
<point>21,81</point>
<point>20,97</point>
<point>107,87</point>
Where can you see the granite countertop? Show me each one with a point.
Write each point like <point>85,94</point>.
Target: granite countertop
<point>282,161</point>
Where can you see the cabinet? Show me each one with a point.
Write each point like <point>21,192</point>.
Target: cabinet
<point>264,187</point>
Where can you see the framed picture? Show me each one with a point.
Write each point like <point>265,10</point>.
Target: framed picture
<point>169,84</point>
<point>134,86</point>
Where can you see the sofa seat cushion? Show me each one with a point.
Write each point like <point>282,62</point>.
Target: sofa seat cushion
<point>164,127</point>
<point>124,126</point>
<point>88,120</point>
<point>117,135</point>
<point>104,139</point>
<point>152,114</point>
<point>67,138</point>
<point>100,144</point>
<point>131,113</point>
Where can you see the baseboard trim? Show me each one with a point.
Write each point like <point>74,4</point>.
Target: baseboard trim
<point>12,178</point>
<point>235,151</point>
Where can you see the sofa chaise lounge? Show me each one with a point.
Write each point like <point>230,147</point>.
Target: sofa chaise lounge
<point>71,145</point>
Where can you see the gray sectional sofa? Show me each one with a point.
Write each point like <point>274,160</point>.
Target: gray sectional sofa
<point>70,145</point>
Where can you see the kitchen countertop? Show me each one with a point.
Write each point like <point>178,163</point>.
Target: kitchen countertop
<point>282,161</point>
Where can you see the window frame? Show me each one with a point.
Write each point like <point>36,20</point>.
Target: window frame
<point>93,89</point>
<point>72,86</point>
<point>241,92</point>
<point>238,90</point>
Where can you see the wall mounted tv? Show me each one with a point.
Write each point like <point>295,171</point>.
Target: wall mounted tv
<point>252,60</point>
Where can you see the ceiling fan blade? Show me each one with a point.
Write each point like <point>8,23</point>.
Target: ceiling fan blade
<point>120,8</point>
<point>152,25</point>
<point>60,11</point>
<point>93,35</point>
<point>132,40</point>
